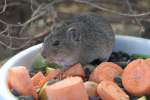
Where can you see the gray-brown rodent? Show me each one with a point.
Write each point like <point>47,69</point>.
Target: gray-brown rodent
<point>80,39</point>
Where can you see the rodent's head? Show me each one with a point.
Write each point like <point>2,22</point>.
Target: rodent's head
<point>62,45</point>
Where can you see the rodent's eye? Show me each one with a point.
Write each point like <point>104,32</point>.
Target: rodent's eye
<point>56,43</point>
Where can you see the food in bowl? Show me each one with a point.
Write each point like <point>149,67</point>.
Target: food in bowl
<point>123,77</point>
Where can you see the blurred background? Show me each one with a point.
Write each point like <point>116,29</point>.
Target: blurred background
<point>24,23</point>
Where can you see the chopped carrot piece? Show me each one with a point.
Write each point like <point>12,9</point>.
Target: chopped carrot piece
<point>75,70</point>
<point>71,88</point>
<point>147,61</point>
<point>36,79</point>
<point>105,71</point>
<point>51,75</point>
<point>109,90</point>
<point>135,78</point>
<point>19,80</point>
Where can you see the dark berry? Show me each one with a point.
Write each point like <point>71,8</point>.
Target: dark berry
<point>15,93</point>
<point>118,80</point>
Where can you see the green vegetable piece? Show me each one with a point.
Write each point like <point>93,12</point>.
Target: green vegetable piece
<point>39,63</point>
<point>42,89</point>
<point>43,96</point>
<point>49,69</point>
<point>53,65</point>
<point>142,98</point>
<point>38,90</point>
<point>42,93</point>
<point>139,56</point>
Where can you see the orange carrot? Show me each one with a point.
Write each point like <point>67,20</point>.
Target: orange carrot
<point>109,90</point>
<point>91,88</point>
<point>51,75</point>
<point>147,61</point>
<point>19,80</point>
<point>135,78</point>
<point>75,70</point>
<point>36,79</point>
<point>71,88</point>
<point>105,71</point>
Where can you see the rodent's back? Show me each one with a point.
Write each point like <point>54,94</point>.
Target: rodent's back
<point>99,40</point>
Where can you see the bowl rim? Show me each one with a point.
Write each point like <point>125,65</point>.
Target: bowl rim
<point>5,92</point>
<point>4,71</point>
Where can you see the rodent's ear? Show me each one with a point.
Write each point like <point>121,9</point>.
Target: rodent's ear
<point>73,34</point>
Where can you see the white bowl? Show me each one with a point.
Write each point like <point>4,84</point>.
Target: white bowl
<point>127,44</point>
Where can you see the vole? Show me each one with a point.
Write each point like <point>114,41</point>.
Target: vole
<point>80,39</point>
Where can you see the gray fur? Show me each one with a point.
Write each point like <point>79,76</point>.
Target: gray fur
<point>83,38</point>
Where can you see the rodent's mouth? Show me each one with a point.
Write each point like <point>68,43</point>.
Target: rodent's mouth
<point>65,62</point>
